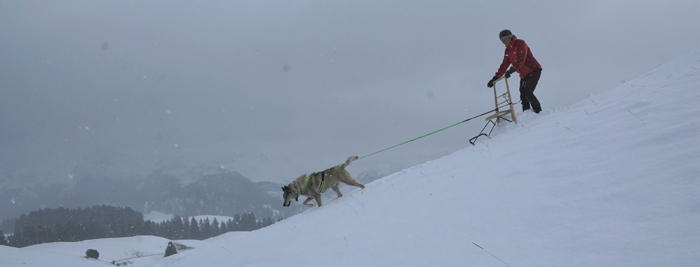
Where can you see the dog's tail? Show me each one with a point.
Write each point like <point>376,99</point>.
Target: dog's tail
<point>347,162</point>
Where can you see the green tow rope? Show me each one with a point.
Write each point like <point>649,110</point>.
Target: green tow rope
<point>414,139</point>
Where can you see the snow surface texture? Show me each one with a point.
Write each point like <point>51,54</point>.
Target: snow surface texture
<point>613,180</point>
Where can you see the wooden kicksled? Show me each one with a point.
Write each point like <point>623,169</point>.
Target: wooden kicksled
<point>503,113</point>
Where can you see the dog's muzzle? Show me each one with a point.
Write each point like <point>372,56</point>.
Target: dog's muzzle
<point>288,201</point>
<point>288,195</point>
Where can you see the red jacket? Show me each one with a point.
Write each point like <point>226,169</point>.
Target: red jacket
<point>519,55</point>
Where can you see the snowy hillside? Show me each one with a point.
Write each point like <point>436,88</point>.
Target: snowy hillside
<point>136,251</point>
<point>613,180</point>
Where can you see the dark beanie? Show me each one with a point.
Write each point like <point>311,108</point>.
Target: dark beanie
<point>505,34</point>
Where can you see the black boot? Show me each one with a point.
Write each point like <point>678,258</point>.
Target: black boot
<point>528,98</point>
<point>524,102</point>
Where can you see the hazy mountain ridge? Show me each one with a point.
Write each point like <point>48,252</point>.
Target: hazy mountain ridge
<point>214,193</point>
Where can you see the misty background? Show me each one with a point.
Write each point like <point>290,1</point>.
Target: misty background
<point>276,89</point>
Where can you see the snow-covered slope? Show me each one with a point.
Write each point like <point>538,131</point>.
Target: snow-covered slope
<point>136,251</point>
<point>613,180</point>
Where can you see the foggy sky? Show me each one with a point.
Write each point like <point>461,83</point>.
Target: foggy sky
<point>275,89</point>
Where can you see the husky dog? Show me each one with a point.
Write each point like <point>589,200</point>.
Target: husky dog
<point>313,185</point>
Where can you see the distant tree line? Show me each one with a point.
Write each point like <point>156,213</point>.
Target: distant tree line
<point>207,191</point>
<point>7,225</point>
<point>69,225</point>
<point>3,241</point>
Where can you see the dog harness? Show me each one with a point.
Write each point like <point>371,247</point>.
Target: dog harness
<point>323,181</point>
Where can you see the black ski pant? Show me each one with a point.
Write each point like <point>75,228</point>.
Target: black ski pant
<point>527,89</point>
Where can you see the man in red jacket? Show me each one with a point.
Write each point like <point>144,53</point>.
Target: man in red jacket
<point>518,55</point>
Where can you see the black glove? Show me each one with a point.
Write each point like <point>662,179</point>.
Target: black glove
<point>490,84</point>
<point>509,72</point>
